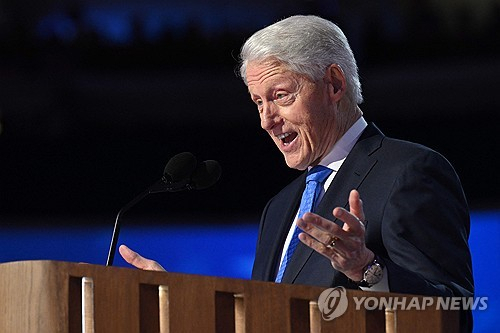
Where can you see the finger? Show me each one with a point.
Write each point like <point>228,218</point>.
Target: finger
<point>131,257</point>
<point>356,205</point>
<point>352,224</point>
<point>342,258</point>
<point>136,260</point>
<point>335,254</point>
<point>320,228</point>
<point>317,246</point>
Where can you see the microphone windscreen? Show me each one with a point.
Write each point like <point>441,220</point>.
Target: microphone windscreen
<point>180,167</point>
<point>206,174</point>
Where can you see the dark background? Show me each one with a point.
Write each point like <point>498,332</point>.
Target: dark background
<point>96,96</point>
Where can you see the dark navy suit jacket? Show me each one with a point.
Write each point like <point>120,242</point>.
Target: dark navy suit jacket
<point>418,221</point>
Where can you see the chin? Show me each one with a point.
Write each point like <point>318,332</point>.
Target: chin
<point>292,164</point>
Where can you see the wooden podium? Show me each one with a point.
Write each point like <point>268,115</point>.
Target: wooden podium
<point>51,296</point>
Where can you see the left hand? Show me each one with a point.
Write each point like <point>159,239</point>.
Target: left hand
<point>344,246</point>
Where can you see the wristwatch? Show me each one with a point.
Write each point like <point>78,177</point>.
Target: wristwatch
<point>373,274</point>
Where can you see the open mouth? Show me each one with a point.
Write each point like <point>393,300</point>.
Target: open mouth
<point>287,138</point>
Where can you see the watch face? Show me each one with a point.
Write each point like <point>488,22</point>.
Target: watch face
<point>374,274</point>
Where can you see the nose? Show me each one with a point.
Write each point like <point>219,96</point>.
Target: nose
<point>268,116</point>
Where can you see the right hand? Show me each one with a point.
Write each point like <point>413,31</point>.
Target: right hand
<point>135,259</point>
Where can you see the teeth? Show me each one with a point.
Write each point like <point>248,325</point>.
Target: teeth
<point>282,136</point>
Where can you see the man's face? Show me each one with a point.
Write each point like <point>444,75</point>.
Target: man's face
<point>298,114</point>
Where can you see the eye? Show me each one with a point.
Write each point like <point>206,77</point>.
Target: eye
<point>284,98</point>
<point>259,104</point>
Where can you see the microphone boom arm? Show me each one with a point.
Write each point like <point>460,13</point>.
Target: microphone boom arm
<point>163,185</point>
<point>116,228</point>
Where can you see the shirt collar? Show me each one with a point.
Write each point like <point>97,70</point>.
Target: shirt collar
<point>343,147</point>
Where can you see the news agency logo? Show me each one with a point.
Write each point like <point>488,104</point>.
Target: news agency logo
<point>333,303</point>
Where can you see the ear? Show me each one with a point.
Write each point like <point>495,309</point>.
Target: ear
<point>335,78</point>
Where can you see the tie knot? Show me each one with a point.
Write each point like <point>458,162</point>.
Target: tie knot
<point>318,174</point>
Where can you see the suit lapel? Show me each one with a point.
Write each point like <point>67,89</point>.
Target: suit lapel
<point>354,170</point>
<point>286,219</point>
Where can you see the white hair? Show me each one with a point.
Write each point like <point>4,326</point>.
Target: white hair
<point>306,45</point>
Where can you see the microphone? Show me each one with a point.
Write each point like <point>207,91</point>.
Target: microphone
<point>176,174</point>
<point>181,173</point>
<point>205,175</point>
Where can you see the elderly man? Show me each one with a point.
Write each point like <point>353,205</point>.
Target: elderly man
<point>384,215</point>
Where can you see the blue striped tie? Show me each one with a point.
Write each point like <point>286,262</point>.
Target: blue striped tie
<point>315,177</point>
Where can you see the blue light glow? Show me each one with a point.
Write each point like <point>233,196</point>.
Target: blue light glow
<point>218,250</point>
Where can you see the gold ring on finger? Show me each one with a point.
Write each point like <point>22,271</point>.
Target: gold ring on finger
<point>332,242</point>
